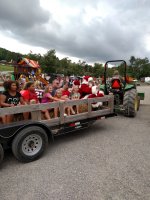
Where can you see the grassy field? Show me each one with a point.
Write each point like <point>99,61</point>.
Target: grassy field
<point>6,68</point>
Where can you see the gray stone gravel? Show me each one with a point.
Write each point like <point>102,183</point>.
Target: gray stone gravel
<point>108,161</point>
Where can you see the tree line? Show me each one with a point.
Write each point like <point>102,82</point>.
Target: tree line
<point>50,63</point>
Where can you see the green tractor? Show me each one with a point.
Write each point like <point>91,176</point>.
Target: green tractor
<point>126,98</point>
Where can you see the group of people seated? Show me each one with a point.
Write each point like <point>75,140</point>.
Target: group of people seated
<point>15,95</point>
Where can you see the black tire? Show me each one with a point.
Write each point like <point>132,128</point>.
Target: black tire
<point>1,153</point>
<point>30,143</point>
<point>130,103</point>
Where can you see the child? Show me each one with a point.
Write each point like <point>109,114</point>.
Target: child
<point>58,97</point>
<point>74,96</point>
<point>47,97</point>
<point>29,96</point>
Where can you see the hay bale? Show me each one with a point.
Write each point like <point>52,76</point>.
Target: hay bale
<point>83,108</point>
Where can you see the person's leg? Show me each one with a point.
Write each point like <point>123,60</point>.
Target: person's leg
<point>55,112</point>
<point>26,116</point>
<point>77,108</point>
<point>3,119</point>
<point>9,118</point>
<point>46,114</point>
<point>68,110</point>
<point>72,110</point>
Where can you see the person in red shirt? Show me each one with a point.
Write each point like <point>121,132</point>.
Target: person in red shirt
<point>65,91</point>
<point>29,95</point>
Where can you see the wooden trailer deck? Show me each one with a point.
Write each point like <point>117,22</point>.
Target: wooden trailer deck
<point>36,114</point>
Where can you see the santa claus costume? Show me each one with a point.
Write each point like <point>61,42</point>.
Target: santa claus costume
<point>89,90</point>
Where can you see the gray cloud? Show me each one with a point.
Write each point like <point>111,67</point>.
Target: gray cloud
<point>19,15</point>
<point>119,35</point>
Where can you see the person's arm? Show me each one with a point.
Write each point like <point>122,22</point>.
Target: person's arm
<point>79,95</point>
<point>2,102</point>
<point>57,99</point>
<point>64,97</point>
<point>48,95</point>
<point>52,98</point>
<point>25,96</point>
<point>22,101</point>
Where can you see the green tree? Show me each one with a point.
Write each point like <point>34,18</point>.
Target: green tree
<point>139,67</point>
<point>50,62</point>
<point>132,60</point>
<point>98,70</point>
<point>65,66</point>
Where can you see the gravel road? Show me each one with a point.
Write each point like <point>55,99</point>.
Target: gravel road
<point>108,161</point>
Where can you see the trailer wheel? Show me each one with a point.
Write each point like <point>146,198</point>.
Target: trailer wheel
<point>29,144</point>
<point>1,153</point>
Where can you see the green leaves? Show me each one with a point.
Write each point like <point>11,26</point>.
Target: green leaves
<point>50,63</point>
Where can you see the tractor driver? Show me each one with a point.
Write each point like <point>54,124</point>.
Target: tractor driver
<point>117,80</point>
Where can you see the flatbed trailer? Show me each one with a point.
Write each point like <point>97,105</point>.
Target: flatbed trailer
<point>29,139</point>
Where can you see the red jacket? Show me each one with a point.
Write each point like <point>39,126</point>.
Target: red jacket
<point>85,90</point>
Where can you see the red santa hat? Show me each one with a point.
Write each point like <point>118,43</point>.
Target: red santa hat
<point>90,79</point>
<point>86,79</point>
<point>76,82</point>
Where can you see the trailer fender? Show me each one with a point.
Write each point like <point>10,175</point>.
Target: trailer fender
<point>38,124</point>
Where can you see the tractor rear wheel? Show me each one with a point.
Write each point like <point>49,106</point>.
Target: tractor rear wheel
<point>130,103</point>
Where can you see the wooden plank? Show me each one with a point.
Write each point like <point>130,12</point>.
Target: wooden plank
<point>76,117</point>
<point>27,108</point>
<point>80,116</point>
<point>44,106</point>
<point>75,102</point>
<point>19,109</point>
<point>61,110</point>
<point>111,103</point>
<point>36,107</point>
<point>100,113</point>
<point>52,122</point>
<point>89,108</point>
<point>36,115</point>
<point>91,100</point>
<point>100,99</point>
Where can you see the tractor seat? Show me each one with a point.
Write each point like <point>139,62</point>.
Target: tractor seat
<point>116,84</point>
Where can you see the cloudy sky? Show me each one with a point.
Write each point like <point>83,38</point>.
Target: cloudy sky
<point>89,30</point>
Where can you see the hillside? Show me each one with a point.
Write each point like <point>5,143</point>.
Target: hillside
<point>8,55</point>
<point>6,68</point>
